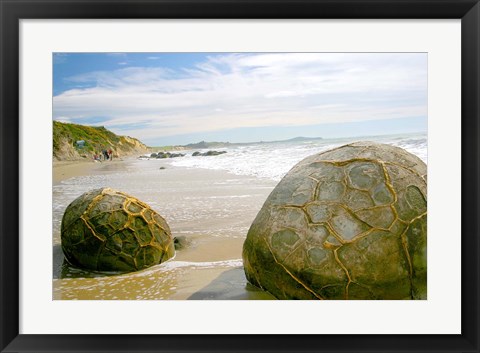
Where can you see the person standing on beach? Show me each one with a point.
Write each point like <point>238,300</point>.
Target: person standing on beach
<point>110,154</point>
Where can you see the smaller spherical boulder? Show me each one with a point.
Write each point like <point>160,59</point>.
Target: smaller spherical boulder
<point>349,223</point>
<point>109,231</point>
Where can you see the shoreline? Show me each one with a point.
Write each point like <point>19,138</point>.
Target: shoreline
<point>64,170</point>
<point>212,208</point>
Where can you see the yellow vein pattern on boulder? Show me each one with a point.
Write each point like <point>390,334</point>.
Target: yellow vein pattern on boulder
<point>108,230</point>
<point>349,223</point>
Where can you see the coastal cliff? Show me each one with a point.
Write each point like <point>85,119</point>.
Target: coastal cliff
<point>76,142</point>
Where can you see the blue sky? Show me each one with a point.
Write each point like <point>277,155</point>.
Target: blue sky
<point>179,98</point>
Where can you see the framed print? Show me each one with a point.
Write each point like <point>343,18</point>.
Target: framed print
<point>239,151</point>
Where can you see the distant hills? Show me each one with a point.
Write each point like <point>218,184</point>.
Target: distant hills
<point>75,142</point>
<point>204,144</point>
<point>301,138</point>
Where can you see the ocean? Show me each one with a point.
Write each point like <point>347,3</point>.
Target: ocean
<point>211,200</point>
<point>274,160</point>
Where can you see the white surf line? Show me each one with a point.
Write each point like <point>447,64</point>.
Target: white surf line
<point>166,266</point>
<point>224,263</point>
<point>173,265</point>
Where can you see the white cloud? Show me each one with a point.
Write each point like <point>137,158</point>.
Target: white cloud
<point>252,90</point>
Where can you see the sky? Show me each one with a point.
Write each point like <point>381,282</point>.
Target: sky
<point>180,98</point>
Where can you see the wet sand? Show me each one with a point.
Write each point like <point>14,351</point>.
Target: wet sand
<point>212,209</point>
<point>63,170</point>
<point>69,169</point>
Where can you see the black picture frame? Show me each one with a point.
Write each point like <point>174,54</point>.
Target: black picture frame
<point>468,11</point>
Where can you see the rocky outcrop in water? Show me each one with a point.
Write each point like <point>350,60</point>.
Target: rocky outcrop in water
<point>208,153</point>
<point>161,155</point>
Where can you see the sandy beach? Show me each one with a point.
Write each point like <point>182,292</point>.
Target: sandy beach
<point>68,169</point>
<point>211,209</point>
<point>64,170</point>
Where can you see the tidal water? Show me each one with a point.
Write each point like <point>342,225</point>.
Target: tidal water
<point>274,160</point>
<point>210,200</point>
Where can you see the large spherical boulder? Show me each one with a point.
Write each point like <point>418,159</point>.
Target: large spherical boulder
<point>108,230</point>
<point>349,223</point>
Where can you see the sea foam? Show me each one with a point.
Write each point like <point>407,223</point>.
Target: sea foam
<point>274,160</point>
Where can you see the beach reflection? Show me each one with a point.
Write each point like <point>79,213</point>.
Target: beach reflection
<point>212,208</point>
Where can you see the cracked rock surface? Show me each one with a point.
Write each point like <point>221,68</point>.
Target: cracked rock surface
<point>108,230</point>
<point>349,223</point>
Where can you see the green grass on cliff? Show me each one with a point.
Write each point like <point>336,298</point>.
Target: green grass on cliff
<point>96,137</point>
